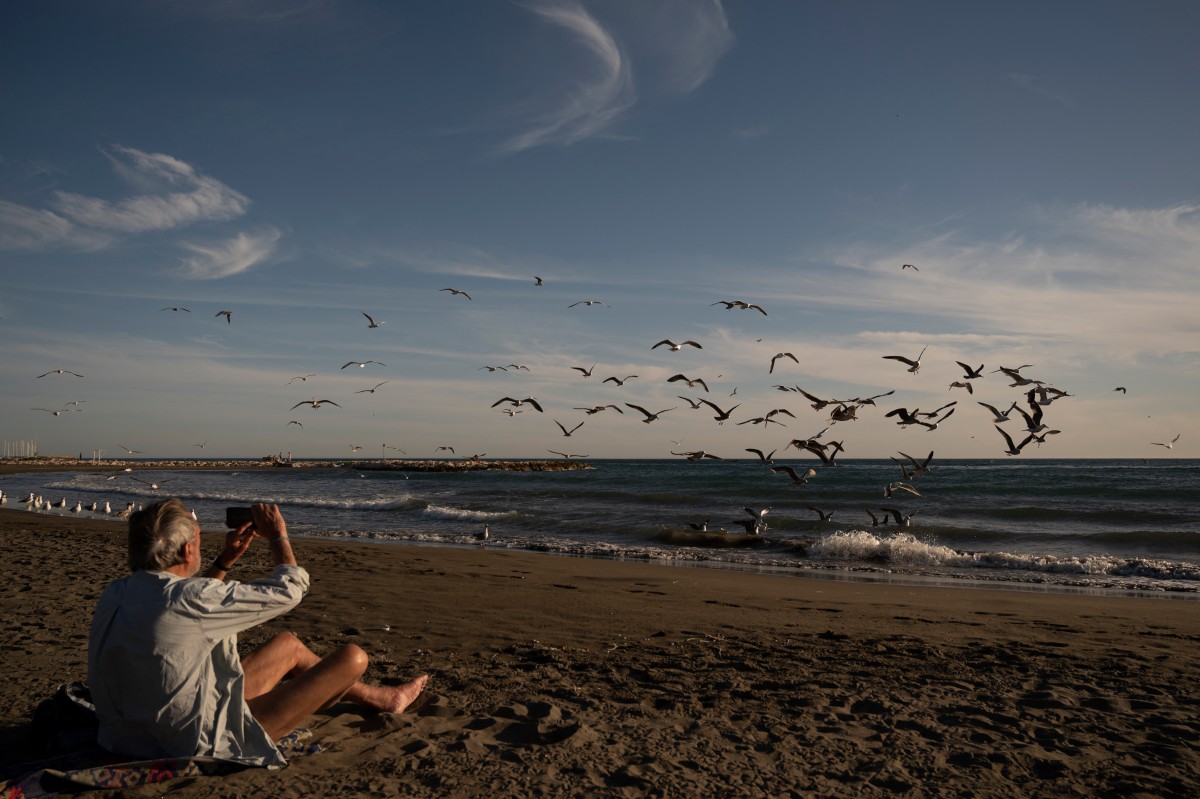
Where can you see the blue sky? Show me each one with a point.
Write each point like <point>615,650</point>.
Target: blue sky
<point>300,163</point>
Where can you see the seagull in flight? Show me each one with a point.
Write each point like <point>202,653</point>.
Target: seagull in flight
<point>131,451</point>
<point>690,382</point>
<point>586,372</point>
<point>597,408</point>
<point>722,416</point>
<point>59,372</point>
<point>824,515</point>
<point>1120,388</point>
<point>316,403</point>
<point>1000,417</point>
<point>186,310</point>
<point>968,372</point>
<point>227,314</point>
<point>456,292</point>
<point>777,357</point>
<point>58,412</point>
<point>759,520</point>
<point>697,456</point>
<point>362,364</point>
<point>493,368</point>
<point>1169,445</point>
<point>371,323</point>
<point>537,281</point>
<point>451,449</point>
<point>201,446</point>
<point>619,381</point>
<point>301,378</point>
<point>960,384</point>
<point>590,303</point>
<point>677,347</point>
<point>295,423</point>
<point>565,431</point>
<point>797,479</point>
<point>914,366</point>
<point>909,266</point>
<point>517,403</point>
<point>372,390</point>
<point>763,459</point>
<point>743,305</point>
<point>567,455</point>
<point>650,417</point>
<point>154,486</point>
<point>1013,449</point>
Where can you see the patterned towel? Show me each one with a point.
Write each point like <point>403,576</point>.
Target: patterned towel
<point>46,782</point>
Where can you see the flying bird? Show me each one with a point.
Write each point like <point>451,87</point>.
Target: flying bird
<point>1169,445</point>
<point>517,403</point>
<point>914,366</point>
<point>565,454</point>
<point>537,281</point>
<point>763,459</point>
<point>619,381</point>
<point>722,416</point>
<point>186,310</point>
<point>777,357</point>
<point>295,423</point>
<point>589,303</point>
<point>456,292</point>
<point>999,417</point>
<point>650,417</point>
<point>597,408</point>
<point>586,372</point>
<point>1013,449</point>
<point>316,403</point>
<point>59,372</point>
<point>677,347</point>
<point>131,451</point>
<point>227,314</point>
<point>824,516</point>
<point>565,431</point>
<point>362,364</point>
<point>960,384</point>
<point>58,412</point>
<point>690,382</point>
<point>797,479</point>
<point>371,323</point>
<point>1120,388</point>
<point>451,449</point>
<point>969,373</point>
<point>698,455</point>
<point>372,390</point>
<point>154,485</point>
<point>303,378</point>
<point>909,266</point>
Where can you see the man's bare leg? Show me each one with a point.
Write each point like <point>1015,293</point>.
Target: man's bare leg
<point>315,683</point>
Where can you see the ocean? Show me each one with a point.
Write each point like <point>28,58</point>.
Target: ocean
<point>1071,525</point>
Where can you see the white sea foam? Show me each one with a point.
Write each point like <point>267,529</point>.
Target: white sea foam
<point>462,514</point>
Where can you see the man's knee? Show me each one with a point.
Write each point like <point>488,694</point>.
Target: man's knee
<point>353,658</point>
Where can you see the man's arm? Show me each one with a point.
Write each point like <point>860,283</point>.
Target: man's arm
<point>269,523</point>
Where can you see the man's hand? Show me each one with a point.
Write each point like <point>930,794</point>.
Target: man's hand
<point>268,521</point>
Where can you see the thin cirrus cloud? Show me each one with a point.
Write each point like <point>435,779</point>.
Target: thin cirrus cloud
<point>191,197</point>
<point>682,41</point>
<point>230,257</point>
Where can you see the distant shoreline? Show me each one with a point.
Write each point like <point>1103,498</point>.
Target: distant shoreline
<point>55,464</point>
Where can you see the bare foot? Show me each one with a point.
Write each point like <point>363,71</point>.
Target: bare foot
<point>394,698</point>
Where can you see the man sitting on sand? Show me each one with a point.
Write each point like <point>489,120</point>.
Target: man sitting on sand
<point>163,664</point>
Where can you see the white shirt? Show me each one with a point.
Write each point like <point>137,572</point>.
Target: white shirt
<point>164,669</point>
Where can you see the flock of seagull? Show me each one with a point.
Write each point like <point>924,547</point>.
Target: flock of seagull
<point>1038,395</point>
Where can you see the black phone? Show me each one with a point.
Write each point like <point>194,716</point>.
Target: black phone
<point>236,517</point>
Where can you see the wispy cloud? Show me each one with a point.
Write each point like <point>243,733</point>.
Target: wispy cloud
<point>1036,85</point>
<point>231,257</point>
<point>595,102</point>
<point>679,41</point>
<point>197,197</point>
<point>754,132</point>
<point>172,194</point>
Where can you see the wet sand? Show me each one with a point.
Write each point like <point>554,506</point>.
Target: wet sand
<point>557,676</point>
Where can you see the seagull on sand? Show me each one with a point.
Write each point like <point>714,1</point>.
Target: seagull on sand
<point>619,381</point>
<point>362,364</point>
<point>690,382</point>
<point>517,403</point>
<point>456,292</point>
<point>227,314</point>
<point>677,347</point>
<point>186,310</point>
<point>650,417</point>
<point>371,323</point>
<point>914,366</point>
<point>301,378</point>
<point>565,431</point>
<point>372,390</point>
<point>586,372</point>
<point>316,403</point>
<point>777,357</point>
<point>1169,445</point>
<point>59,372</point>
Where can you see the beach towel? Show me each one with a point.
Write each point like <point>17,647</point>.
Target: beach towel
<point>94,769</point>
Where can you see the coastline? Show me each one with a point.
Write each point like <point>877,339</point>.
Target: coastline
<point>558,676</point>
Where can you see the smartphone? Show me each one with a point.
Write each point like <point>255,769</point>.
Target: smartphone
<point>236,517</point>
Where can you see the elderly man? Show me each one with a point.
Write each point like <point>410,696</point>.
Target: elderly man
<point>163,664</point>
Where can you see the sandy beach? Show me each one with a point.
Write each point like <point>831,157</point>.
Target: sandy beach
<point>557,676</point>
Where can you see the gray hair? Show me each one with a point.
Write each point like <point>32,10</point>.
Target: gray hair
<point>158,534</point>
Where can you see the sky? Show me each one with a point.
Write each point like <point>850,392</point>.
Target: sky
<point>301,164</point>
